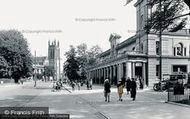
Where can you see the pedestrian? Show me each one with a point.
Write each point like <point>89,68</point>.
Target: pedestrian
<point>78,84</point>
<point>73,86</point>
<point>87,84</point>
<point>90,84</point>
<point>120,87</point>
<point>141,80</point>
<point>133,89</point>
<point>128,85</point>
<point>107,90</point>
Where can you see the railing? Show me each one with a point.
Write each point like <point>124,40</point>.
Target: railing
<point>181,95</point>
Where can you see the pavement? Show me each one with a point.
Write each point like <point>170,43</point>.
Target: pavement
<point>90,104</point>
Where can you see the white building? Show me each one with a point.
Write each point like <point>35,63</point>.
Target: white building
<point>139,55</point>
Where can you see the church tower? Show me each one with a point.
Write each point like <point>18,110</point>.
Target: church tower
<point>54,58</point>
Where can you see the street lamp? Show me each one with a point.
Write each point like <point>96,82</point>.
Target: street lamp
<point>35,77</point>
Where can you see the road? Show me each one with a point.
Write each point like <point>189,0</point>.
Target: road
<point>89,104</point>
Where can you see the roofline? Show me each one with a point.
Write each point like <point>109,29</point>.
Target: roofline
<point>127,42</point>
<point>119,46</point>
<point>138,2</point>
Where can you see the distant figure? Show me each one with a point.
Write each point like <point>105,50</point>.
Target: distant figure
<point>78,84</point>
<point>90,84</point>
<point>35,83</point>
<point>120,87</point>
<point>133,89</point>
<point>21,81</point>
<point>128,85</point>
<point>87,84</point>
<point>107,90</point>
<point>141,81</point>
<point>73,86</point>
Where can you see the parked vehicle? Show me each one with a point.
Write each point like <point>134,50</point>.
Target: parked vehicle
<point>161,85</point>
<point>169,83</point>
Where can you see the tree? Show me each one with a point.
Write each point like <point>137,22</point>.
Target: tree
<point>49,71</point>
<point>71,66</point>
<point>14,48</point>
<point>82,59</point>
<point>164,14</point>
<point>3,67</point>
<point>93,53</point>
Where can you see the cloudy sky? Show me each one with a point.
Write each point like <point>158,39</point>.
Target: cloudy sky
<point>67,17</point>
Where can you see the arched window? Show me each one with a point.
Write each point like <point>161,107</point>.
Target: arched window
<point>179,50</point>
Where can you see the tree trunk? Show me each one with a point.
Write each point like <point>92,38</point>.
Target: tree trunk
<point>16,80</point>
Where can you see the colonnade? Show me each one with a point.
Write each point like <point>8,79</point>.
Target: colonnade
<point>116,71</point>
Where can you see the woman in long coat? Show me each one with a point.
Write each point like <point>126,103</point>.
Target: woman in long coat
<point>133,89</point>
<point>120,87</point>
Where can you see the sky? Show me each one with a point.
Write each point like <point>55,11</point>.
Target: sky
<point>68,21</point>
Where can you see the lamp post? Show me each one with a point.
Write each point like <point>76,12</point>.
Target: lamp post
<point>35,77</point>
<point>160,39</point>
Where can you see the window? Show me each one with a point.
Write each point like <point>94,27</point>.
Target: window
<point>141,21</point>
<point>149,12</point>
<point>179,50</point>
<point>141,47</point>
<point>157,48</point>
<point>158,70</point>
<point>180,68</point>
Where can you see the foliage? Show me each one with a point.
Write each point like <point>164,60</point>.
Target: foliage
<point>82,59</point>
<point>14,48</point>
<point>164,19</point>
<point>49,71</point>
<point>71,66</point>
<point>78,59</point>
<point>3,67</point>
<point>92,54</point>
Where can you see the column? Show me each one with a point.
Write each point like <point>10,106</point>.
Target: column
<point>128,69</point>
<point>110,74</point>
<point>133,69</point>
<point>144,73</point>
<point>104,73</point>
<point>114,74</point>
<point>99,70</point>
<point>121,71</point>
<point>107,72</point>
<point>118,72</point>
<point>96,76</point>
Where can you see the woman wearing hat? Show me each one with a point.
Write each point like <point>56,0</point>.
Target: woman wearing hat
<point>120,87</point>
